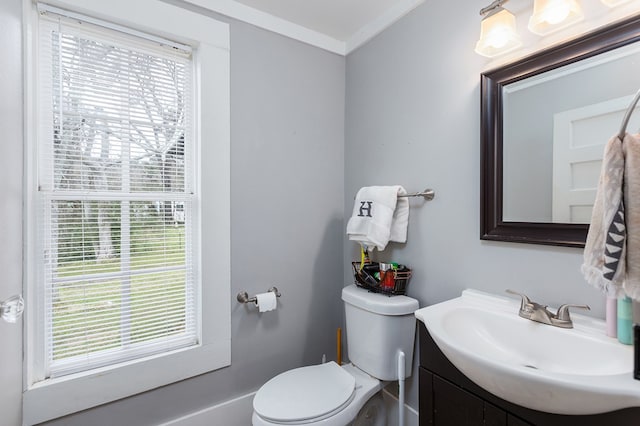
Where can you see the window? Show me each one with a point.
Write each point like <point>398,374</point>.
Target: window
<point>116,159</point>
<point>115,238</point>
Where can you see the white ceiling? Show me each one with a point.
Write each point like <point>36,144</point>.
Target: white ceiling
<point>335,25</point>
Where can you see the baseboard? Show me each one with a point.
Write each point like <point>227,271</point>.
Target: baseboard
<point>391,403</point>
<point>235,412</point>
<point>238,411</point>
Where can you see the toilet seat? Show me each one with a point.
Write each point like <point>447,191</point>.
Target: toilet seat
<point>305,395</point>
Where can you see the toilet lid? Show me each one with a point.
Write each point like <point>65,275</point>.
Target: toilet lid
<point>305,393</point>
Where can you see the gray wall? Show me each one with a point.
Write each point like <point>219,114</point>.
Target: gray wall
<point>412,118</point>
<point>11,210</point>
<point>287,137</point>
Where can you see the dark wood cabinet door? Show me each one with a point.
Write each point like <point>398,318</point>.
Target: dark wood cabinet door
<point>454,406</point>
<point>425,397</point>
<point>444,404</point>
<point>494,416</point>
<point>515,421</point>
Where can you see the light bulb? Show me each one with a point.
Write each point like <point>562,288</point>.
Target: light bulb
<point>498,37</point>
<point>556,12</point>
<point>553,15</point>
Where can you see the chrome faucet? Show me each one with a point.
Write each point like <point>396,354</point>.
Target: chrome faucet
<point>539,313</point>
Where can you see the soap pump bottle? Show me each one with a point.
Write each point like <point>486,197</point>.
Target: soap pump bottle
<point>625,323</point>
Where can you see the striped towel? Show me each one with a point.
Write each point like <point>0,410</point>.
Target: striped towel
<point>604,251</point>
<point>631,194</point>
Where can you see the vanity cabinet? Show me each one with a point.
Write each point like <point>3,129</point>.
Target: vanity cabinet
<point>444,403</point>
<point>448,398</point>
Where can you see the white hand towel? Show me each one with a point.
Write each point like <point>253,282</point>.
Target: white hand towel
<point>604,251</point>
<point>379,216</point>
<point>631,149</point>
<point>400,220</point>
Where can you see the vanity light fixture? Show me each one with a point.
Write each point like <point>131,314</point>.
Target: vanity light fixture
<point>498,31</point>
<point>615,3</point>
<point>553,15</point>
<point>498,28</point>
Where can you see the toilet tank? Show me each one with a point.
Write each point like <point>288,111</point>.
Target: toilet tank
<point>378,326</point>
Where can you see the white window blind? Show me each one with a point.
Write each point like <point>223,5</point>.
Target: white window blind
<point>116,193</point>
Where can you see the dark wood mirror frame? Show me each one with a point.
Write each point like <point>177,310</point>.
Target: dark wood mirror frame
<point>492,226</point>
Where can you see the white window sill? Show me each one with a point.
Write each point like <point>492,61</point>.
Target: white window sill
<point>61,396</point>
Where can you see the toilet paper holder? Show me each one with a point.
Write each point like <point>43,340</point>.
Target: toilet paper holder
<point>243,296</point>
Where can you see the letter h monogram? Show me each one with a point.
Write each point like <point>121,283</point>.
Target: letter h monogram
<point>364,209</point>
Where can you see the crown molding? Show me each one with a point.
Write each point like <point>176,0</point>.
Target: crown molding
<point>269,22</point>
<point>272,23</point>
<point>384,21</point>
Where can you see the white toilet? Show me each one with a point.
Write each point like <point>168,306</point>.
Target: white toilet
<point>378,328</point>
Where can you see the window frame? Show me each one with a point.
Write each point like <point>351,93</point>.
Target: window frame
<point>125,192</point>
<point>46,399</point>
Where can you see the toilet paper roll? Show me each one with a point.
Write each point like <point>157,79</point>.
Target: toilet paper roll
<point>267,301</point>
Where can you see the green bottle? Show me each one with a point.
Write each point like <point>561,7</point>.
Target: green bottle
<point>625,314</point>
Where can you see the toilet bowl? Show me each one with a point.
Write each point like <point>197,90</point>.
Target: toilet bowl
<point>380,338</point>
<point>322,395</point>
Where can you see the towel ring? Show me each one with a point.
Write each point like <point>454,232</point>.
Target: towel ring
<point>627,115</point>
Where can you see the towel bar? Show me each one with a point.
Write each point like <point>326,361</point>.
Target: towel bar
<point>243,296</point>
<point>428,194</point>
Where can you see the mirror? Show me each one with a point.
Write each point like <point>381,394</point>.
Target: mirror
<point>544,122</point>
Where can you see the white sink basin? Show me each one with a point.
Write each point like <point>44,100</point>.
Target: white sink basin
<point>538,366</point>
